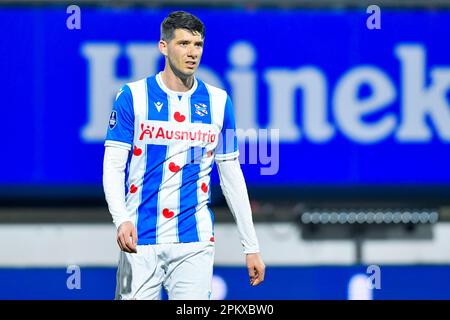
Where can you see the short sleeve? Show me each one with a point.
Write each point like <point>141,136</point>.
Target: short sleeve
<point>121,121</point>
<point>227,147</point>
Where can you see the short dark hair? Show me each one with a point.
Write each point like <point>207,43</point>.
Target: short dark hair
<point>180,20</point>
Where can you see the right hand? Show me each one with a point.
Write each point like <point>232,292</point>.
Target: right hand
<point>127,237</point>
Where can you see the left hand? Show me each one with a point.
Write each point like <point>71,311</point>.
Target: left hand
<point>256,268</point>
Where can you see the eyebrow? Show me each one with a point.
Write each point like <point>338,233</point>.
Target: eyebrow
<point>189,41</point>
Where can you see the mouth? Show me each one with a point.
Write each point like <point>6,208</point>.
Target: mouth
<point>191,64</point>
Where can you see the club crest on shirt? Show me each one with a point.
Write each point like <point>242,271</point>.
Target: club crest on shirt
<point>113,119</point>
<point>201,109</point>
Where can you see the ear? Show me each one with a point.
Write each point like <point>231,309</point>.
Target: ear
<point>163,47</point>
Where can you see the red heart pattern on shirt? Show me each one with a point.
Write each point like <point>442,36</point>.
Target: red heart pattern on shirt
<point>179,117</point>
<point>204,187</point>
<point>137,152</point>
<point>133,188</point>
<point>167,213</point>
<point>173,167</point>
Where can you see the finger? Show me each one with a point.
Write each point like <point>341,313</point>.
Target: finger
<point>129,242</point>
<point>134,237</point>
<point>119,244</point>
<point>257,280</point>
<point>251,274</point>
<point>124,244</point>
<point>262,272</point>
<point>251,271</point>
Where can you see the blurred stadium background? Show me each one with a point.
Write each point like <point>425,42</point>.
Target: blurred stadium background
<point>360,190</point>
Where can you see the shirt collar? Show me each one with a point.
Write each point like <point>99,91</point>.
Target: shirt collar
<point>163,87</point>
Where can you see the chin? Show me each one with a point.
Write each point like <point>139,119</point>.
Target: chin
<point>189,72</point>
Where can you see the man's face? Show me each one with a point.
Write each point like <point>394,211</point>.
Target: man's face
<point>184,52</point>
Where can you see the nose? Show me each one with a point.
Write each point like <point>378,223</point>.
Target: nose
<point>193,52</point>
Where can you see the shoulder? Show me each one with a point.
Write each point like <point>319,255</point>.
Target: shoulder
<point>215,92</point>
<point>131,91</point>
<point>132,86</point>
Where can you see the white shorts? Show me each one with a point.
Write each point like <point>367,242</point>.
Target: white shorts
<point>185,270</point>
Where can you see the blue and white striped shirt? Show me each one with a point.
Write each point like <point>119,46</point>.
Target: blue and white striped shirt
<point>174,139</point>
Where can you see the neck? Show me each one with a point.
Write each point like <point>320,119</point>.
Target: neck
<point>176,83</point>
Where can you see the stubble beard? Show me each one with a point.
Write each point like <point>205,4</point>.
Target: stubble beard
<point>180,73</point>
